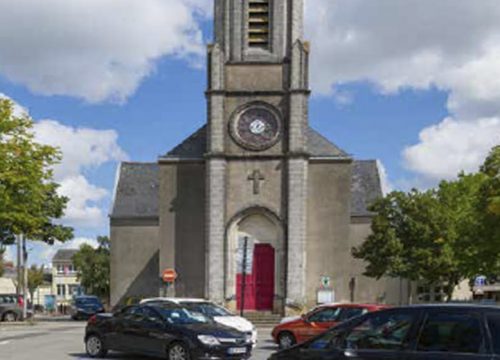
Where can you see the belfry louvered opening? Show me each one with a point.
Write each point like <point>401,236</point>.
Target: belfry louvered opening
<point>258,23</point>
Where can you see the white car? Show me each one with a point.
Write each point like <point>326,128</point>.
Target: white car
<point>215,312</point>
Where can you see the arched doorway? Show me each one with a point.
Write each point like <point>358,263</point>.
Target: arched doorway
<point>259,286</point>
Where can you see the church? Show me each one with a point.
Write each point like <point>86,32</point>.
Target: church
<point>255,209</point>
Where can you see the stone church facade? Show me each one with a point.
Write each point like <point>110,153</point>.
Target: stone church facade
<point>256,173</point>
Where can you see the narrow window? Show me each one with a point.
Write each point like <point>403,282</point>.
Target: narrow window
<point>258,24</point>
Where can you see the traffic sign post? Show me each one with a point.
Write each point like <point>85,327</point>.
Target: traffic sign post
<point>168,277</point>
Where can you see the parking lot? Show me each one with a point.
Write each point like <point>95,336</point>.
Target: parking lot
<point>58,340</point>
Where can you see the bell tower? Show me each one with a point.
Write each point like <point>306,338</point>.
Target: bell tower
<point>257,108</point>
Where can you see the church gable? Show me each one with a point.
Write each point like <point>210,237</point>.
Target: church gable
<point>195,146</point>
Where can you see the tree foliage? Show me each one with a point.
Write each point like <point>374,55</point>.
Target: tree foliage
<point>488,208</point>
<point>35,279</point>
<point>439,236</point>
<point>93,266</point>
<point>29,202</point>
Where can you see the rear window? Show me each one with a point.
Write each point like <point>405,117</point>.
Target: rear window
<point>448,332</point>
<point>494,325</point>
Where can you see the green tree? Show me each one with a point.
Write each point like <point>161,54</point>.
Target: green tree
<point>488,207</point>
<point>427,237</point>
<point>29,202</point>
<point>35,279</point>
<point>93,266</point>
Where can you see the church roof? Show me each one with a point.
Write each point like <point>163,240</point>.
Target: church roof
<point>319,146</point>
<point>196,145</point>
<point>137,191</point>
<point>365,186</point>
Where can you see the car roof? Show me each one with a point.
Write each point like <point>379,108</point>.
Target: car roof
<point>175,300</point>
<point>463,306</point>
<point>354,306</point>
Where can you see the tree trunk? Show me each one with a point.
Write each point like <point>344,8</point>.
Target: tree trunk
<point>25,279</point>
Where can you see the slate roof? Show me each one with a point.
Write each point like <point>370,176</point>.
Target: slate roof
<point>319,146</point>
<point>195,146</point>
<point>64,255</point>
<point>137,191</point>
<point>365,186</point>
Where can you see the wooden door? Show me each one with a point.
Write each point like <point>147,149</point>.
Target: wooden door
<point>259,285</point>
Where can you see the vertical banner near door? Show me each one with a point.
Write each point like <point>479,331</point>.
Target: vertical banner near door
<point>244,266</point>
<point>245,255</point>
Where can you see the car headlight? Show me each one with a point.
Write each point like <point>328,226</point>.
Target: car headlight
<point>249,338</point>
<point>208,340</point>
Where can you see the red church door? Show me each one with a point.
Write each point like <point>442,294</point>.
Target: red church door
<point>259,286</point>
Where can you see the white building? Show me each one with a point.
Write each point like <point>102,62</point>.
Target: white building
<point>65,283</point>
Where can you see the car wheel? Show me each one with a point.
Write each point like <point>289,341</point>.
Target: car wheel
<point>178,351</point>
<point>286,340</point>
<point>9,317</point>
<point>95,347</point>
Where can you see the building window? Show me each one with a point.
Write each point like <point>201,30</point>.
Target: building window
<point>60,269</point>
<point>258,23</point>
<point>61,290</point>
<point>74,290</point>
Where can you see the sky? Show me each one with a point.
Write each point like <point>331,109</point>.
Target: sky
<point>414,84</point>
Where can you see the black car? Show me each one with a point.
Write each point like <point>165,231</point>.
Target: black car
<point>83,307</point>
<point>453,332</point>
<point>167,331</point>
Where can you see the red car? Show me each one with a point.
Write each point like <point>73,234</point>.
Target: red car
<point>297,330</point>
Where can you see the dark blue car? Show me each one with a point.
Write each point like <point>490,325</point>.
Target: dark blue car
<point>432,332</point>
<point>83,307</point>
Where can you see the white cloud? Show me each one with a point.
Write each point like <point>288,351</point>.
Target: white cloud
<point>97,50</point>
<point>83,209</point>
<point>451,45</point>
<point>453,146</point>
<point>387,186</point>
<point>83,149</point>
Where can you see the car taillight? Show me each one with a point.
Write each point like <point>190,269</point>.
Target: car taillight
<point>92,320</point>
<point>20,301</point>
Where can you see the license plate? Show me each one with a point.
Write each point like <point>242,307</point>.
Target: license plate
<point>234,351</point>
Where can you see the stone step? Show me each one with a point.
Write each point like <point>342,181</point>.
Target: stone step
<point>263,319</point>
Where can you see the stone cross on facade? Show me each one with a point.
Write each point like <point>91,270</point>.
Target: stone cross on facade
<point>256,177</point>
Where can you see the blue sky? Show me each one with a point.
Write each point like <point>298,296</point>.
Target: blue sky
<point>423,101</point>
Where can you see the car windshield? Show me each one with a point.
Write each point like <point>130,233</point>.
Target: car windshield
<point>182,316</point>
<point>87,301</point>
<point>207,309</point>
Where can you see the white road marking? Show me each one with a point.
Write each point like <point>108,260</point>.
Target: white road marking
<point>4,342</point>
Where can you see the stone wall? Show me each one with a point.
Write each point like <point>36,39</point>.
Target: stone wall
<point>182,223</point>
<point>134,262</point>
<point>328,247</point>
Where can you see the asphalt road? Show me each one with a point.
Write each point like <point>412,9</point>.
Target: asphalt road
<point>64,340</point>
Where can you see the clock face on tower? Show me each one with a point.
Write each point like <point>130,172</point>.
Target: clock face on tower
<point>256,128</point>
